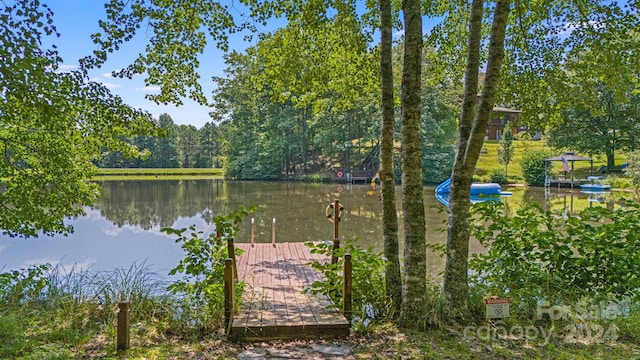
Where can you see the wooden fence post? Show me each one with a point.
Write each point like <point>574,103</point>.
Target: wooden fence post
<point>228,295</point>
<point>231,253</point>
<point>347,291</point>
<point>124,318</point>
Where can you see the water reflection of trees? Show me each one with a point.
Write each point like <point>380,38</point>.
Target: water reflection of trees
<point>150,204</point>
<point>298,208</point>
<point>571,200</point>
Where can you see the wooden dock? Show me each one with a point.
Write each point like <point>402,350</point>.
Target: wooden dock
<point>275,305</point>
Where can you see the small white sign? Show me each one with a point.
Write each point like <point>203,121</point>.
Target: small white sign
<point>496,308</point>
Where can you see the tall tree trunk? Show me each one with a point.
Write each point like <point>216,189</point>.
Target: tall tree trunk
<point>413,309</point>
<point>389,214</point>
<point>611,157</point>
<point>473,126</point>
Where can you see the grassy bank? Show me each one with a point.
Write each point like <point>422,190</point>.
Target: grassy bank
<point>90,333</point>
<point>489,161</point>
<point>157,173</point>
<point>70,315</point>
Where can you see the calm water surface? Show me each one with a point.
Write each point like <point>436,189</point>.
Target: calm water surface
<point>124,225</point>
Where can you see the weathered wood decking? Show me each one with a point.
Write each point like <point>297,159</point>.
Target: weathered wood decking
<point>274,302</point>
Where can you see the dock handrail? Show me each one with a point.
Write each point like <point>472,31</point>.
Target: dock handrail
<point>230,277</point>
<point>228,295</point>
<point>347,300</point>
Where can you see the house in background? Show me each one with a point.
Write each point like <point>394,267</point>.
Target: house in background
<point>500,122</point>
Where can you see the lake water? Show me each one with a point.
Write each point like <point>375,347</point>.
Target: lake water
<point>124,225</point>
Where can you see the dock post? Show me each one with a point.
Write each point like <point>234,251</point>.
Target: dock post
<point>336,239</point>
<point>273,232</point>
<point>124,319</point>
<point>228,295</point>
<point>347,291</point>
<point>253,231</point>
<point>231,253</point>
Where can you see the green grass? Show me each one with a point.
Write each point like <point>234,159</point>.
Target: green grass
<point>157,173</point>
<point>489,161</point>
<point>75,319</point>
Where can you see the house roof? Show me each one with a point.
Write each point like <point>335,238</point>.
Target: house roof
<point>506,110</point>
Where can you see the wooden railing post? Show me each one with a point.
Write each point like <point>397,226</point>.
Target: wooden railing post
<point>336,238</point>
<point>231,251</point>
<point>347,291</point>
<point>253,231</point>
<point>273,232</point>
<point>124,319</point>
<point>228,294</point>
<point>336,218</point>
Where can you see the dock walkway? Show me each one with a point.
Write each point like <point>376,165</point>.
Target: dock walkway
<point>275,305</point>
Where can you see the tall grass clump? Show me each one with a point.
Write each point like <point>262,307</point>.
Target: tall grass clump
<point>51,312</point>
<point>137,284</point>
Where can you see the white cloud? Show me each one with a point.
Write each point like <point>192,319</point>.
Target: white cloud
<point>107,75</point>
<point>2,247</point>
<point>67,67</point>
<point>571,27</point>
<point>149,88</point>
<point>63,68</point>
<point>106,84</point>
<point>109,85</point>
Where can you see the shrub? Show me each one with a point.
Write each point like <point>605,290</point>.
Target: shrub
<point>25,285</point>
<point>536,255</point>
<point>369,291</point>
<point>203,267</point>
<point>498,176</point>
<point>633,169</point>
<point>533,167</point>
<point>437,163</point>
<point>619,182</point>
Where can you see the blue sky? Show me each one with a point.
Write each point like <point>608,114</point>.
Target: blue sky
<point>76,20</point>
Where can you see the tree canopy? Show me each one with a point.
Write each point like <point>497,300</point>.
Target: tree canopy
<point>52,125</point>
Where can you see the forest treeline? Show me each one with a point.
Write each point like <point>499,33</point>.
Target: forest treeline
<point>272,123</point>
<point>253,136</point>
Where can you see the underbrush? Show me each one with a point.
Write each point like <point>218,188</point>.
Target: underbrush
<point>572,277</point>
<point>52,312</point>
<point>49,312</point>
<point>572,281</point>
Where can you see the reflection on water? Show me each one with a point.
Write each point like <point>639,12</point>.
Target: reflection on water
<point>124,224</point>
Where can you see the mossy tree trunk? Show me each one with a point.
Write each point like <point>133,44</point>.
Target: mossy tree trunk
<point>413,309</point>
<point>474,120</point>
<point>389,215</point>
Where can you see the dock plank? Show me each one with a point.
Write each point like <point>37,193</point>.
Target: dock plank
<point>297,305</point>
<point>275,303</point>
